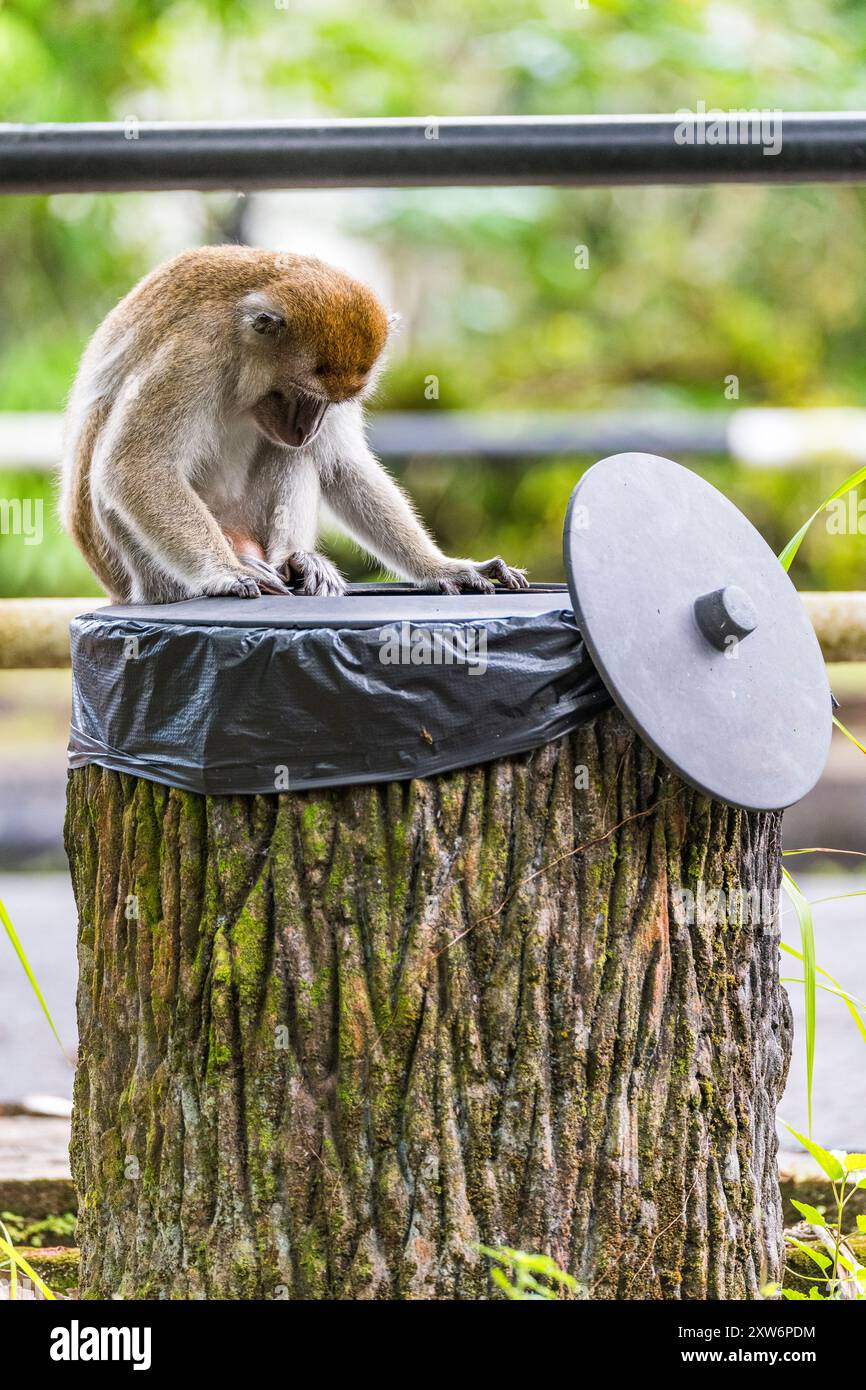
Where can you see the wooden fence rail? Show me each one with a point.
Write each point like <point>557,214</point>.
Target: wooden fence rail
<point>34,632</point>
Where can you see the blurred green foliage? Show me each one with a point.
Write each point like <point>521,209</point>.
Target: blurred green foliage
<point>684,288</point>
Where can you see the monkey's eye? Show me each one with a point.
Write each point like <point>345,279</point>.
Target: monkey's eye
<point>268,323</point>
<point>322,369</point>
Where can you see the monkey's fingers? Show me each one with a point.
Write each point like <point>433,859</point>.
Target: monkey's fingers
<point>506,575</point>
<point>311,574</point>
<point>475,583</point>
<point>245,586</point>
<point>442,586</point>
<point>266,576</point>
<point>458,581</point>
<point>467,577</point>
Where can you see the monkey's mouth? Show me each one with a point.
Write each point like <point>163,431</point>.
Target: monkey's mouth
<point>291,419</point>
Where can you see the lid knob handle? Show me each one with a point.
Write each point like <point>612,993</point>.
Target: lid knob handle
<point>725,614</point>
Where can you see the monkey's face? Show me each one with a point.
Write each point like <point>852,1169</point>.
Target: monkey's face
<point>290,417</point>
<point>318,336</point>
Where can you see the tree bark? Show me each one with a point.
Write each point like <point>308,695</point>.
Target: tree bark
<point>332,1041</point>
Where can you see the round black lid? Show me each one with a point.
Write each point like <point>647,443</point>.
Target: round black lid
<point>697,631</point>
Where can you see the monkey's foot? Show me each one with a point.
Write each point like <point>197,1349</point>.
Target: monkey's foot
<point>467,576</point>
<point>309,573</point>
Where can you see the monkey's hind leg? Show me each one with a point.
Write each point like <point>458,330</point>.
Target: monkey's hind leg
<point>83,520</point>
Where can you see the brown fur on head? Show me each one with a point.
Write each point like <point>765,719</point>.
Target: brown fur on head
<point>309,335</point>
<point>320,335</point>
<point>326,326</point>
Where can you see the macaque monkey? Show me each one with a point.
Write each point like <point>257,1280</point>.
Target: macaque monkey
<point>216,413</point>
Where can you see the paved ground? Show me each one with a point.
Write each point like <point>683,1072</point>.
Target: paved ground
<point>839,1086</point>
<point>43,913</point>
<point>42,909</point>
<point>33,1148</point>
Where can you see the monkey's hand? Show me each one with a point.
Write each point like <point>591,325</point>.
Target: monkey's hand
<point>479,577</point>
<point>250,579</point>
<point>252,558</point>
<point>310,573</point>
<point>265,576</point>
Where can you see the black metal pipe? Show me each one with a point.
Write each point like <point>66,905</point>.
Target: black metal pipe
<point>569,150</point>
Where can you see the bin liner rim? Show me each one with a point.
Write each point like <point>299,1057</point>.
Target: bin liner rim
<point>364,606</point>
<point>234,704</point>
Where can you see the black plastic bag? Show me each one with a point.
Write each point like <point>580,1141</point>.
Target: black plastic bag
<point>240,696</point>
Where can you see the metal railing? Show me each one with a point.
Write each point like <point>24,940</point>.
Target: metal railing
<point>572,151</point>
<point>766,437</point>
<point>569,151</point>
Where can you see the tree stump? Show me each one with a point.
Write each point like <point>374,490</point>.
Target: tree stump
<point>333,1041</point>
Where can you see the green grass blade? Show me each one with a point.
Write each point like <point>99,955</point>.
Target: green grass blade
<point>792,951</point>
<point>851,1006</point>
<point>25,1268</point>
<point>786,556</point>
<point>531,1284</point>
<point>25,964</point>
<point>13,1267</point>
<point>803,910</point>
<point>852,1003</point>
<point>840,897</point>
<point>499,1279</point>
<point>823,849</point>
<point>839,994</point>
<point>848,734</point>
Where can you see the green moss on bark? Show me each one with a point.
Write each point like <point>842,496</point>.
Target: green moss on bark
<point>353,1033</point>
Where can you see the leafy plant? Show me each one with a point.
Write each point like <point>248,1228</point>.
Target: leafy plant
<point>524,1277</point>
<point>841,1273</point>
<point>48,1230</point>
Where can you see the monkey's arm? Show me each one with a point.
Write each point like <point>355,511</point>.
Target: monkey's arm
<point>289,519</point>
<point>174,543</point>
<point>377,513</point>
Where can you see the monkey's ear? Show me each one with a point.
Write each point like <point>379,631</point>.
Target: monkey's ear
<point>394,322</point>
<point>267,322</point>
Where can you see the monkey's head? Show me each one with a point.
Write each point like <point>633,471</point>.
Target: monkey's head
<point>315,337</point>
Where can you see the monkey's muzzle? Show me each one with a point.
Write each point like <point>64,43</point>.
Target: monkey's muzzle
<point>290,418</point>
